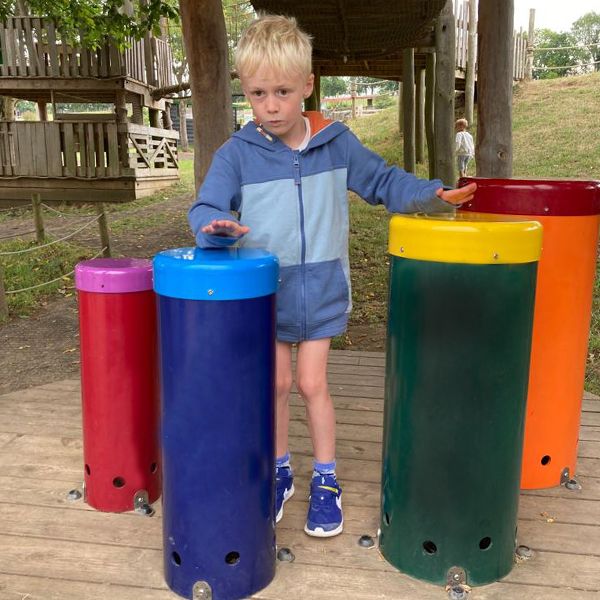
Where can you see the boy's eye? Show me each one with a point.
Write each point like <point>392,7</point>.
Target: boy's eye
<point>284,92</point>
<point>257,93</point>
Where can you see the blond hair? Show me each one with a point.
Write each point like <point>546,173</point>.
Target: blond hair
<point>461,124</point>
<point>277,42</point>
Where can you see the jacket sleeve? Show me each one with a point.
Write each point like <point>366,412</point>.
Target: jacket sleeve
<point>397,190</point>
<point>219,194</point>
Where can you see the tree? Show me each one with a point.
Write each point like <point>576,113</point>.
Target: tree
<point>333,86</point>
<point>549,64</point>
<point>586,30</point>
<point>205,40</point>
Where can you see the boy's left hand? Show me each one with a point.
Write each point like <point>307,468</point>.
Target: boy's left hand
<point>458,196</point>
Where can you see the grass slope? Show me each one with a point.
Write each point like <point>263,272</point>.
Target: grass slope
<point>556,133</point>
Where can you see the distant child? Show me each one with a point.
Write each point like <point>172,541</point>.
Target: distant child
<point>465,148</point>
<point>287,174</point>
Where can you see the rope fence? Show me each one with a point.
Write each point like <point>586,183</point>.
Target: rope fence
<point>39,285</point>
<point>37,206</point>
<point>66,237</point>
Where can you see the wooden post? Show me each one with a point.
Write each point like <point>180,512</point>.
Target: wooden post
<point>183,136</point>
<point>40,234</point>
<point>3,304</point>
<point>42,110</point>
<point>471,56</point>
<point>530,44</point>
<point>429,102</point>
<point>353,96</point>
<point>104,233</point>
<point>408,103</point>
<point>313,102</point>
<point>121,112</point>
<point>420,118</point>
<point>444,95</point>
<point>400,109</point>
<point>167,121</point>
<point>137,110</point>
<point>493,151</point>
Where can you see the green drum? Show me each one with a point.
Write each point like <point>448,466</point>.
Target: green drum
<point>459,336</point>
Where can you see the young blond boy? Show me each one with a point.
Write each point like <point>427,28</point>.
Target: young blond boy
<point>287,175</point>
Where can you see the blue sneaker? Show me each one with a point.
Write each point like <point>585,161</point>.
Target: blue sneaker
<point>325,518</point>
<point>284,489</point>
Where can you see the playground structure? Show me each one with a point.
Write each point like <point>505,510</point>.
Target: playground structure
<point>91,157</point>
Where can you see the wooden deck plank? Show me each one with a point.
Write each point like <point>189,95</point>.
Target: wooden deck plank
<point>51,548</point>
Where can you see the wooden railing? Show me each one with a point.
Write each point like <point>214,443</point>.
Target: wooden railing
<point>461,13</point>
<point>85,149</point>
<point>33,47</point>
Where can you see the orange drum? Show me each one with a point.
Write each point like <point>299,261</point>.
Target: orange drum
<point>570,214</point>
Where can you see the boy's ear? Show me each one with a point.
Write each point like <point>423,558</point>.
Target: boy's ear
<point>309,86</point>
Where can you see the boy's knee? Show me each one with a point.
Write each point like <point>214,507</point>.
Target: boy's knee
<point>283,385</point>
<point>311,387</point>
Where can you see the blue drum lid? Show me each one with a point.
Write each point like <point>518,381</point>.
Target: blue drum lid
<point>215,274</point>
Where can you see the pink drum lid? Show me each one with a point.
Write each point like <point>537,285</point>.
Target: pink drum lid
<point>114,275</point>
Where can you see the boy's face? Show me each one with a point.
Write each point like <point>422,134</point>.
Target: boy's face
<point>276,101</point>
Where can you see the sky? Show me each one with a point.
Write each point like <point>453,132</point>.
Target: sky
<point>557,15</point>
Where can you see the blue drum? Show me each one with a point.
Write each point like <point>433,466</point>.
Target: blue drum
<point>217,356</point>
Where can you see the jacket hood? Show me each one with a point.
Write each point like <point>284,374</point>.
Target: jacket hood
<point>322,131</point>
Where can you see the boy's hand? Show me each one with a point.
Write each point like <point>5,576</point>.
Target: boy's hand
<point>225,228</point>
<point>458,196</point>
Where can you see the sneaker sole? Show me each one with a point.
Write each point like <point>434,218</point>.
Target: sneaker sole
<point>286,496</point>
<point>319,532</point>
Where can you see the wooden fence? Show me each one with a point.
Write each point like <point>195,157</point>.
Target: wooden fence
<point>461,13</point>
<point>90,150</point>
<point>33,47</point>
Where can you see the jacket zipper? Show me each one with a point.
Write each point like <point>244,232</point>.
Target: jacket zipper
<point>298,183</point>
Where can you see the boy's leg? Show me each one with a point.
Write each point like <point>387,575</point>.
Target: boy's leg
<point>311,381</point>
<point>325,503</point>
<point>284,478</point>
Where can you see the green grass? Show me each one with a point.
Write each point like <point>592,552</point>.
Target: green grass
<point>33,268</point>
<point>556,134</point>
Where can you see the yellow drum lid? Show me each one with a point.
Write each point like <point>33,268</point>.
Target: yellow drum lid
<point>474,238</point>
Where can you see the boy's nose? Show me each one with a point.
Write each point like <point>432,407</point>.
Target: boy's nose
<point>272,105</point>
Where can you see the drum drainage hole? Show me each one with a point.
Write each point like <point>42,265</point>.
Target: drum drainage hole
<point>386,518</point>
<point>545,460</point>
<point>485,543</point>
<point>87,469</point>
<point>232,558</point>
<point>176,559</point>
<point>153,468</point>
<point>429,547</point>
<point>118,482</point>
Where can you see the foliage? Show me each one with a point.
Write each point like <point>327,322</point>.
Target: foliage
<point>545,62</point>
<point>384,101</point>
<point>586,30</point>
<point>237,17</point>
<point>333,86</point>
<point>90,21</point>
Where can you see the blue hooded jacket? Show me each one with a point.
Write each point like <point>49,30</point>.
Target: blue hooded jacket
<point>295,204</point>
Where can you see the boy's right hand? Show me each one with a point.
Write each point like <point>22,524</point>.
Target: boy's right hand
<point>225,228</point>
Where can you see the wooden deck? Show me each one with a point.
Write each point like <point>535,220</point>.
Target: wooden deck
<point>54,549</point>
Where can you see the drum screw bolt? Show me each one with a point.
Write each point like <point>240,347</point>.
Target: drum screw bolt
<point>524,552</point>
<point>457,592</point>
<point>285,555</point>
<point>572,484</point>
<point>366,541</point>
<point>74,495</point>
